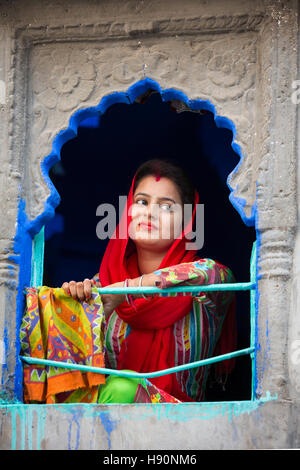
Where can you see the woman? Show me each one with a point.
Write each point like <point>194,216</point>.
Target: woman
<point>151,333</point>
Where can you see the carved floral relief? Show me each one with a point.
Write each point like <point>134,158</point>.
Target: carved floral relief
<point>70,76</point>
<point>63,79</point>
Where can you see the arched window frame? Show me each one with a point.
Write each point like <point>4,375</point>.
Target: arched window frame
<point>38,226</point>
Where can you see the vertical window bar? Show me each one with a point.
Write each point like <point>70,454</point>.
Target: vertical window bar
<point>252,317</point>
<point>37,259</point>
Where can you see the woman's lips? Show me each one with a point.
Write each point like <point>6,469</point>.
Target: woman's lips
<point>147,226</point>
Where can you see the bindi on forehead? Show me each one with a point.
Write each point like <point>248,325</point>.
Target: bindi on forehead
<point>157,173</point>
<point>167,191</point>
<point>157,176</point>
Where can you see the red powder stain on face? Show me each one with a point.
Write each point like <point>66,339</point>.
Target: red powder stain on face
<point>157,178</point>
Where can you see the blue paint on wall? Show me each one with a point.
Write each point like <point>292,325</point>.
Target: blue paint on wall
<point>109,425</point>
<point>75,419</point>
<point>22,257</point>
<point>75,416</point>
<point>27,426</point>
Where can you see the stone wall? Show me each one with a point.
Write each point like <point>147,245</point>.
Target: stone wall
<point>58,58</point>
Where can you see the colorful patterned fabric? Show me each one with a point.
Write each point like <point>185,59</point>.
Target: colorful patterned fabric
<point>197,334</point>
<point>132,390</point>
<point>59,328</point>
<point>149,393</point>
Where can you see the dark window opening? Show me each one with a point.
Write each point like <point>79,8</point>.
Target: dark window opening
<point>97,167</point>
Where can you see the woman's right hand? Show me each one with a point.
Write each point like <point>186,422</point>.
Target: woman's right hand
<point>80,290</point>
<point>83,291</point>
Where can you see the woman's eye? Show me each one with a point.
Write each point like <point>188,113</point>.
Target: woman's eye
<point>166,207</point>
<point>141,201</point>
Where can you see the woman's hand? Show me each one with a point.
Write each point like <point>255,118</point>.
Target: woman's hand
<point>80,290</point>
<point>112,301</point>
<point>83,291</point>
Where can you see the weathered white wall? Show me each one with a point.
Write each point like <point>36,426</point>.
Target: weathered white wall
<point>58,57</point>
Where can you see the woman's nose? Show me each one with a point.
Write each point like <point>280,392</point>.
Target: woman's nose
<point>152,210</point>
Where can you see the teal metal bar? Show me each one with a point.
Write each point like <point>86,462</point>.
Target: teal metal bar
<point>199,288</point>
<point>241,286</point>
<point>37,259</point>
<point>171,370</point>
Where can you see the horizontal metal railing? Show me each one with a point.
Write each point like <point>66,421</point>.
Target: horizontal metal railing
<point>240,286</point>
<point>211,360</point>
<point>148,375</point>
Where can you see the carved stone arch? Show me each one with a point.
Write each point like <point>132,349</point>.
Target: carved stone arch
<point>133,93</point>
<point>68,79</point>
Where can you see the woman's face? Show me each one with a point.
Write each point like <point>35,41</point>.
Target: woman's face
<point>156,213</point>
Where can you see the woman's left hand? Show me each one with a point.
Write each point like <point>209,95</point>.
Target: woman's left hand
<point>111,301</point>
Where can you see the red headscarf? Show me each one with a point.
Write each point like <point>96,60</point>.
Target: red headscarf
<point>150,346</point>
